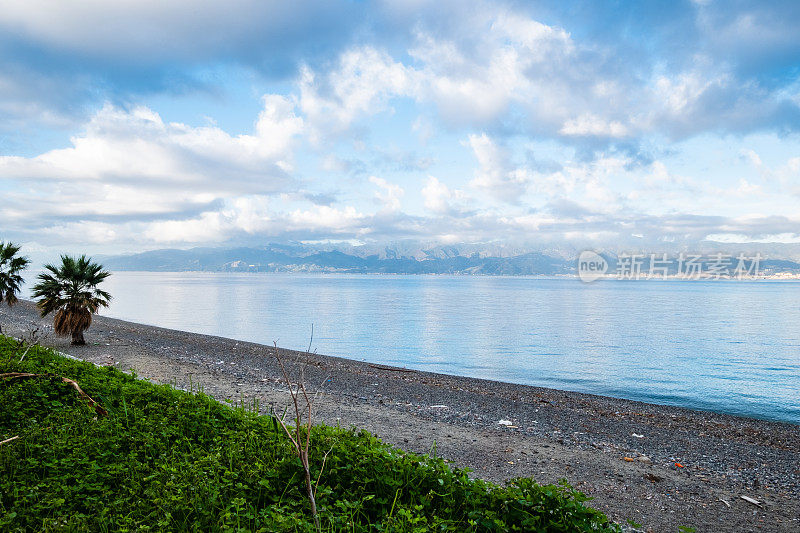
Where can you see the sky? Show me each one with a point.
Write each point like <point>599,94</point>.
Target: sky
<point>142,124</point>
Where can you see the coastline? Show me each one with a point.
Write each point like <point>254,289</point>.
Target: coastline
<point>553,434</point>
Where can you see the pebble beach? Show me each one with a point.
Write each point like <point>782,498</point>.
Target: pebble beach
<point>659,466</point>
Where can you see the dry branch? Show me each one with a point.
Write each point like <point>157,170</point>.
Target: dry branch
<point>31,340</point>
<point>15,437</point>
<point>70,382</point>
<point>303,404</point>
<point>393,369</point>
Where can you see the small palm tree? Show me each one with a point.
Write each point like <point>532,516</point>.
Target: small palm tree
<point>11,265</point>
<point>71,292</point>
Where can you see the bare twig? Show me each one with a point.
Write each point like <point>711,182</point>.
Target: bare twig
<point>321,469</point>
<point>300,436</point>
<point>70,382</point>
<point>381,367</point>
<point>15,437</point>
<point>32,340</point>
<point>748,499</point>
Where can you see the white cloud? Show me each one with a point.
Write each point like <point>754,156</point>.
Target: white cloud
<point>389,194</point>
<point>495,174</point>
<point>740,238</point>
<point>137,144</point>
<point>510,62</point>
<point>680,93</point>
<point>86,231</point>
<point>505,67</point>
<point>130,162</point>
<point>753,157</point>
<point>466,92</point>
<point>588,124</point>
<point>440,199</point>
<point>209,227</point>
<point>747,189</point>
<point>251,216</point>
<point>436,195</point>
<point>327,219</point>
<point>610,122</point>
<point>541,40</point>
<point>144,29</point>
<point>361,84</point>
<point>786,175</point>
<point>424,128</point>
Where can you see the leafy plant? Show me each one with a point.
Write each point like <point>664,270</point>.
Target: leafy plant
<point>70,291</point>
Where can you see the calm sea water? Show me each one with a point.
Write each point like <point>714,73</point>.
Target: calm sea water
<point>725,346</point>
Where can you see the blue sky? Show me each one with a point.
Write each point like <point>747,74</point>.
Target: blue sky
<point>138,125</point>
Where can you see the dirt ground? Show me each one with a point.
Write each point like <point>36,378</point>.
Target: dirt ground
<point>662,467</point>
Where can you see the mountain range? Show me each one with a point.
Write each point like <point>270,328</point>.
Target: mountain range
<point>402,259</point>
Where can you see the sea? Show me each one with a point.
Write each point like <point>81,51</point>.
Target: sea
<point>724,346</point>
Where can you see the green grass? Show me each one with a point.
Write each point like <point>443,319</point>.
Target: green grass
<point>168,460</point>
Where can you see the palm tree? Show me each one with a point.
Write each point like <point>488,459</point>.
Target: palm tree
<point>10,267</point>
<point>71,292</point>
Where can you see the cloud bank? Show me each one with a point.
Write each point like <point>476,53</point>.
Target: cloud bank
<point>431,120</point>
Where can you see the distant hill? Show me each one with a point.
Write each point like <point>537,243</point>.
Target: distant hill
<point>288,258</point>
<point>384,260</point>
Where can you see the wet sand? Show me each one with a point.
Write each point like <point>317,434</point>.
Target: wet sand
<point>622,453</point>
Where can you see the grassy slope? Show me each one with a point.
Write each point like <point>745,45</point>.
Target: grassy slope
<point>164,459</point>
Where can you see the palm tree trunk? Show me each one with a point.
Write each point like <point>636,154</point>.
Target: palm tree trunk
<point>77,338</point>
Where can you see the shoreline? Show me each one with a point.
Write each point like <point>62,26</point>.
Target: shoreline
<point>621,452</point>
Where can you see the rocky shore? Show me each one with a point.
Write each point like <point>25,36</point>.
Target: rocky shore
<point>663,467</point>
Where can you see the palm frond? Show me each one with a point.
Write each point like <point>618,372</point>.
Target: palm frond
<point>69,321</point>
<point>11,265</point>
<point>70,291</point>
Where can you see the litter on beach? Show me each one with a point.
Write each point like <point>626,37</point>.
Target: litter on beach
<point>748,499</point>
<point>505,422</point>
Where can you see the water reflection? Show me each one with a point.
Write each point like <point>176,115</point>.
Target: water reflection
<point>726,346</point>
